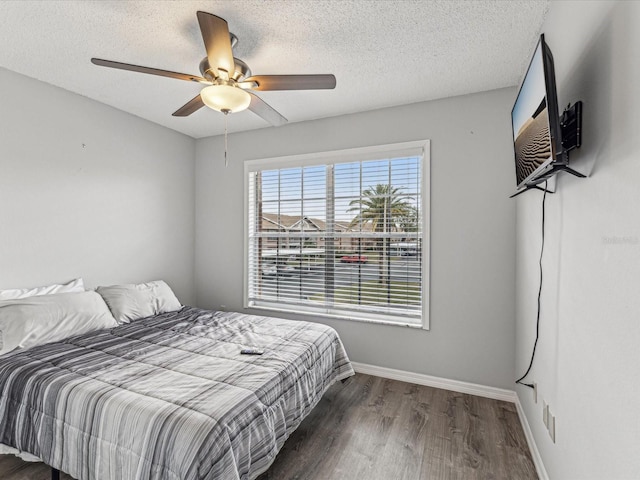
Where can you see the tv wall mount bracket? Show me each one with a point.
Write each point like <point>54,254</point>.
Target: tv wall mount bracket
<point>571,127</point>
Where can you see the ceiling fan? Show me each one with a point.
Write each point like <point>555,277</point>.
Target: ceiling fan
<point>229,81</point>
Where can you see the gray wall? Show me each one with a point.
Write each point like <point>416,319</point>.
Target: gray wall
<point>588,355</point>
<point>472,222</point>
<point>90,191</point>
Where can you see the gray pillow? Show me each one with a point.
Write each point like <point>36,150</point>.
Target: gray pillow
<point>36,320</point>
<point>131,302</point>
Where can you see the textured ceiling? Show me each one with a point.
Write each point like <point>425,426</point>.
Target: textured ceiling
<point>383,53</point>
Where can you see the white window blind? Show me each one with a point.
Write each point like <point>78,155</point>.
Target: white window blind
<point>340,233</point>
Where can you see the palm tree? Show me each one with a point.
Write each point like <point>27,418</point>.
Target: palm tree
<point>383,207</point>
<point>386,210</point>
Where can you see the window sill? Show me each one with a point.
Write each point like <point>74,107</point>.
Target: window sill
<point>336,316</point>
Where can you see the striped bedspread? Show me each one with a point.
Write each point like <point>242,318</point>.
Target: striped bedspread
<point>168,397</point>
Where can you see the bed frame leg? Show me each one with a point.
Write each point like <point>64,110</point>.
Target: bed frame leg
<point>55,474</point>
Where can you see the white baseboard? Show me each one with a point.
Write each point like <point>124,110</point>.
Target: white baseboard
<point>533,448</point>
<point>437,382</point>
<point>462,387</point>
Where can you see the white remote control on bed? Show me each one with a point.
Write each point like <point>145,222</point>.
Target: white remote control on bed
<point>251,351</point>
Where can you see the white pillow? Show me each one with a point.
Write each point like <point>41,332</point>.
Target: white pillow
<point>74,286</point>
<point>42,319</point>
<point>131,302</point>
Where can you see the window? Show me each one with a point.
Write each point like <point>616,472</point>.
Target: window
<point>341,233</point>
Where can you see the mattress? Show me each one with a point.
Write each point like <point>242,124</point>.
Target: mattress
<point>169,396</point>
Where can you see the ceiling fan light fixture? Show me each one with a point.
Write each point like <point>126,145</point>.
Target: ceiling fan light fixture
<point>225,97</point>
<point>230,79</point>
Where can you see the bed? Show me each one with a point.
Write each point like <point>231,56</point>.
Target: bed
<point>168,396</point>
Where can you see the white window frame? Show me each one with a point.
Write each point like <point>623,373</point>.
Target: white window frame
<point>347,155</point>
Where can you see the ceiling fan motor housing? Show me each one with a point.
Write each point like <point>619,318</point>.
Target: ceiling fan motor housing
<point>242,70</point>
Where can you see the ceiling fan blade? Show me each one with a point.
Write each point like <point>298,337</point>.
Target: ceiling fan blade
<point>266,111</point>
<point>188,108</point>
<point>151,71</point>
<point>217,42</point>
<point>293,82</point>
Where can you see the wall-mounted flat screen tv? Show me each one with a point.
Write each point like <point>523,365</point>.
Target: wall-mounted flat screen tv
<point>535,120</point>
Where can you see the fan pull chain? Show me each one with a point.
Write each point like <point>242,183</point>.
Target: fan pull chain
<point>226,114</point>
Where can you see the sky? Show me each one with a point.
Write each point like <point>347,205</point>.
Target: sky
<point>531,94</point>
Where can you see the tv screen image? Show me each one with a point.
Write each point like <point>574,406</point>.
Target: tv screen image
<point>530,121</point>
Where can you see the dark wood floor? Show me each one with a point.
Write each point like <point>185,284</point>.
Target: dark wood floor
<point>377,429</point>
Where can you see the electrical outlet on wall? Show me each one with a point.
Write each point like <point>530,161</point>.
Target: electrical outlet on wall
<point>549,420</point>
